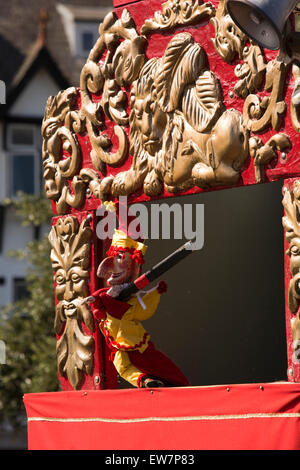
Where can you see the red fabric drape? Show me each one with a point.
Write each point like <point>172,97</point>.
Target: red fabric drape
<point>246,417</point>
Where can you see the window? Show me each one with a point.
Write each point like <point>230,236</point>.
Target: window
<point>3,293</point>
<point>87,41</point>
<point>81,25</point>
<point>23,174</point>
<point>24,154</point>
<point>20,290</point>
<point>22,135</point>
<point>87,33</point>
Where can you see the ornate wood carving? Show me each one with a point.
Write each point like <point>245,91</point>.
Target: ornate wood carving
<point>60,124</point>
<point>291,224</point>
<point>167,113</point>
<point>260,113</point>
<point>295,101</point>
<point>124,58</point>
<point>70,258</point>
<point>265,153</point>
<point>178,13</point>
<point>230,42</point>
<point>177,117</point>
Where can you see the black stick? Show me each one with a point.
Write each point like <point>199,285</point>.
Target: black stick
<point>159,269</point>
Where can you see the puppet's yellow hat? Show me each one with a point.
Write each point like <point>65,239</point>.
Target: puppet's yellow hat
<point>122,240</point>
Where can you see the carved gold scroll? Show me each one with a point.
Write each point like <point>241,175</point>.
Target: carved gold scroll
<point>291,224</point>
<point>178,13</point>
<point>166,112</point>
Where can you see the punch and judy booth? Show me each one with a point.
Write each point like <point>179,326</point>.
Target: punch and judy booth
<point>177,98</point>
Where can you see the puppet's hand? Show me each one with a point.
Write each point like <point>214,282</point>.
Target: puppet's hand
<point>88,300</point>
<point>162,287</point>
<point>98,312</point>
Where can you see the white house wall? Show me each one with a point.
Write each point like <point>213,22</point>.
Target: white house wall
<point>32,102</point>
<point>15,237</point>
<point>3,171</point>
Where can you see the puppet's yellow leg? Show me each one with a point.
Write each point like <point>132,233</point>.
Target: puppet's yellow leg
<point>126,370</point>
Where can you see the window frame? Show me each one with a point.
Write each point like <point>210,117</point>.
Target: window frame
<point>15,281</point>
<point>16,126</point>
<point>82,27</point>
<point>24,150</point>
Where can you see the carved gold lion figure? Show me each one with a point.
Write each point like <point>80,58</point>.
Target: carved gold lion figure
<point>180,132</point>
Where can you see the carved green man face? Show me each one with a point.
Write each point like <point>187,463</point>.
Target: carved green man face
<point>70,256</point>
<point>71,283</point>
<point>70,259</point>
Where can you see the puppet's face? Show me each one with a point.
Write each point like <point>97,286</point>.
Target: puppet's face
<point>118,269</point>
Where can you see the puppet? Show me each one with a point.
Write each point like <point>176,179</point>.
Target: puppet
<point>133,354</point>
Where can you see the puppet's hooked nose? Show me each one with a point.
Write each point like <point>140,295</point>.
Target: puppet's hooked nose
<point>106,267</point>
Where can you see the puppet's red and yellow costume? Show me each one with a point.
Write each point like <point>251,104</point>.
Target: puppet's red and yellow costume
<point>133,354</point>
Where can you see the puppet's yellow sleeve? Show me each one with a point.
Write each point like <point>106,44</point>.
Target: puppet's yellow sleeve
<point>150,300</point>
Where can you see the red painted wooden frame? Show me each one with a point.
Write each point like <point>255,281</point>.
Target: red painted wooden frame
<point>277,169</point>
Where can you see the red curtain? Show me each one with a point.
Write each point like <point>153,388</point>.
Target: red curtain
<point>234,417</point>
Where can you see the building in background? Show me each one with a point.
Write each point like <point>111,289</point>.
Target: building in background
<point>44,45</point>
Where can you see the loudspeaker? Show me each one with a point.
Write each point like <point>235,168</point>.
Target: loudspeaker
<point>262,20</point>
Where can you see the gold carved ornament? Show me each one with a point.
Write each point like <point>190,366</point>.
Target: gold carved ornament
<point>60,125</point>
<point>178,13</point>
<point>180,133</point>
<point>259,114</point>
<point>177,123</point>
<point>230,42</point>
<point>124,56</point>
<point>291,224</point>
<point>295,101</point>
<point>70,256</point>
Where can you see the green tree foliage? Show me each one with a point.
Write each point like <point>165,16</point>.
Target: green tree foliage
<point>26,326</point>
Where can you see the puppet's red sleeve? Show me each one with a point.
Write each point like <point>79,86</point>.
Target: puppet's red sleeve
<point>104,304</point>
